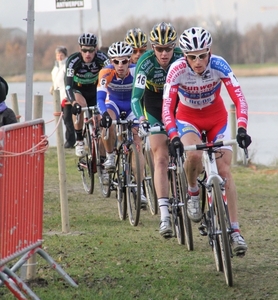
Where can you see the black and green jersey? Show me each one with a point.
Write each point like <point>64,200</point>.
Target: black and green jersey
<point>82,76</point>
<point>151,76</point>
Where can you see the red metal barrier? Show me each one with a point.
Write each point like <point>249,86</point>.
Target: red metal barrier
<point>22,147</point>
<point>21,187</point>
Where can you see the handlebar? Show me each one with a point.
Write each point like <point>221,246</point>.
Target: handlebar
<point>207,146</point>
<point>118,122</point>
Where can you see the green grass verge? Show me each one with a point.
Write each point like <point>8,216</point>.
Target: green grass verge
<point>110,259</point>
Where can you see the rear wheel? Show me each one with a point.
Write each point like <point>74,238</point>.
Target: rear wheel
<point>133,185</point>
<point>222,226</point>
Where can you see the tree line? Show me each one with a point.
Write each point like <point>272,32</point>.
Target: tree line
<point>258,45</point>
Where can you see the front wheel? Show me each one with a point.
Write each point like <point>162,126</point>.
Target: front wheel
<point>175,208</point>
<point>133,185</point>
<point>149,182</point>
<point>118,180</point>
<point>86,164</point>
<point>182,187</point>
<point>221,227</point>
<point>103,176</point>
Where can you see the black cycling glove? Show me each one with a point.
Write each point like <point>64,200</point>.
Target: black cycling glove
<point>106,120</point>
<point>243,139</point>
<point>174,145</point>
<point>76,109</point>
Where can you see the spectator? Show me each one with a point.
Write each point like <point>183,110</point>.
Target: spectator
<point>58,83</point>
<point>7,115</point>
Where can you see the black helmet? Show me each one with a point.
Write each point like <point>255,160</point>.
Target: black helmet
<point>4,88</point>
<point>87,39</point>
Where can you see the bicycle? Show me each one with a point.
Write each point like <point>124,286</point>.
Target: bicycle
<point>215,222</point>
<point>181,224</point>
<point>91,163</point>
<point>123,180</point>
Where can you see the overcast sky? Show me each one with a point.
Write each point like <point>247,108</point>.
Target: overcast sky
<point>115,12</point>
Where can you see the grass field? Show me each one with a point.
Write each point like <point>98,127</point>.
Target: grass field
<point>110,259</point>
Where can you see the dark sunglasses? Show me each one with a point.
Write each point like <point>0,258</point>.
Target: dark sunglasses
<point>193,57</point>
<point>161,49</point>
<point>85,50</point>
<point>118,61</point>
<point>140,50</point>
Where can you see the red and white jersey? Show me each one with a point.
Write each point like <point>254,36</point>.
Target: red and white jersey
<point>196,98</point>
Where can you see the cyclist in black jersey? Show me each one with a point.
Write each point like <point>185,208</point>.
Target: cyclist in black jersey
<point>137,39</point>
<point>147,99</point>
<point>81,80</point>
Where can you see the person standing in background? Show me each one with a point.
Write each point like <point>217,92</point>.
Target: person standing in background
<point>7,115</point>
<point>58,83</point>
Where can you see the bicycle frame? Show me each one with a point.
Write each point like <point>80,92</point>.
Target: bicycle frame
<point>91,163</point>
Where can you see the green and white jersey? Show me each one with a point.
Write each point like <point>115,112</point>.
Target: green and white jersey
<point>149,75</point>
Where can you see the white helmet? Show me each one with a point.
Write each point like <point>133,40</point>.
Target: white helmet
<point>194,39</point>
<point>119,49</point>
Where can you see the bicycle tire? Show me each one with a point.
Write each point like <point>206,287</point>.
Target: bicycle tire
<point>182,184</point>
<point>118,180</point>
<point>104,188</point>
<point>133,196</point>
<point>214,239</point>
<point>222,227</point>
<point>176,213</point>
<point>86,163</point>
<point>149,182</point>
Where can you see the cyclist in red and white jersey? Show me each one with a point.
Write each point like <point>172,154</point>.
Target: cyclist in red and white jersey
<point>195,80</point>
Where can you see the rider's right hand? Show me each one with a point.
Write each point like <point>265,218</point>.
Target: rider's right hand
<point>174,145</point>
<point>76,109</point>
<point>143,128</point>
<point>243,139</point>
<point>106,120</point>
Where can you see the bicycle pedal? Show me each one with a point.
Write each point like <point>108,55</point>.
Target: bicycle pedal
<point>202,230</point>
<point>143,206</point>
<point>240,254</point>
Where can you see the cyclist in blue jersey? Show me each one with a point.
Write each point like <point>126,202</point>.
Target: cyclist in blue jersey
<point>137,39</point>
<point>114,96</point>
<point>82,69</point>
<point>147,99</point>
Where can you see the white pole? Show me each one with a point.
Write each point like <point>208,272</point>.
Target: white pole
<point>29,60</point>
<point>99,26</point>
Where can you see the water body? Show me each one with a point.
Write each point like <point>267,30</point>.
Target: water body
<point>261,94</point>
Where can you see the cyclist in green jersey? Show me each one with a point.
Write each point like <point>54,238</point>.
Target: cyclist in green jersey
<point>147,99</point>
